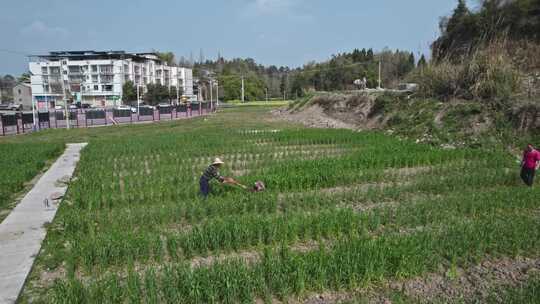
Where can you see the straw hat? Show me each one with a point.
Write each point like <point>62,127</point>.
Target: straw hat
<point>217,161</point>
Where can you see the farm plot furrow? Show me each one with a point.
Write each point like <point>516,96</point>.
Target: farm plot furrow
<point>341,209</point>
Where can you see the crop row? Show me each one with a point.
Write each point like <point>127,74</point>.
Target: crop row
<point>142,210</point>
<point>100,191</point>
<point>282,273</point>
<point>115,245</point>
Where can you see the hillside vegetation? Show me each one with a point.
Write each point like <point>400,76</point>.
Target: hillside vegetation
<point>482,87</point>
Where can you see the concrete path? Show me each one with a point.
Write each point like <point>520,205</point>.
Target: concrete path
<point>22,232</point>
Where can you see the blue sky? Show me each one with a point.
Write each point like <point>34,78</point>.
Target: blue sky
<point>279,32</point>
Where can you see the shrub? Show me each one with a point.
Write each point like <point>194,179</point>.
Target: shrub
<point>489,74</point>
<point>381,103</point>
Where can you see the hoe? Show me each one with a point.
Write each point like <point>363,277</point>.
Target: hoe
<point>257,187</point>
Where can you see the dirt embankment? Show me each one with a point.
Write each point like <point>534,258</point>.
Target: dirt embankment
<point>442,123</point>
<point>334,111</point>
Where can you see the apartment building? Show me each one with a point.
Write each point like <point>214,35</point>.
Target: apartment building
<point>97,77</point>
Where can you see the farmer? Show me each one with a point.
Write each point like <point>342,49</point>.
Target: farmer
<point>529,164</point>
<point>211,172</point>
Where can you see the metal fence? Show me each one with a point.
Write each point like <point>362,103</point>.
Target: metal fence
<point>12,123</point>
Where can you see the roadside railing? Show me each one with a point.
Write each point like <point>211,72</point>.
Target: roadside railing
<point>12,123</point>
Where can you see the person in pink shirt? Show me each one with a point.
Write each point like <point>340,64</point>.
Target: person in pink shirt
<point>529,164</point>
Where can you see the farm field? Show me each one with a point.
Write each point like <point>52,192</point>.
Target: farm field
<point>19,163</point>
<point>346,217</point>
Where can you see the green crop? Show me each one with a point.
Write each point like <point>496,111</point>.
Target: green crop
<point>342,210</point>
<point>19,163</point>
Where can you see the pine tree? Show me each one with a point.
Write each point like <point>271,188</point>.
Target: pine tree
<point>370,56</point>
<point>412,61</point>
<point>457,17</point>
<point>422,62</point>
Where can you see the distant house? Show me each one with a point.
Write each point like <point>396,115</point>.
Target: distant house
<point>22,94</point>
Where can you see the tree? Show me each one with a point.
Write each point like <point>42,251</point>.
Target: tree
<point>173,95</point>
<point>422,62</point>
<point>460,12</point>
<point>369,55</point>
<point>254,88</point>
<point>129,93</point>
<point>156,93</point>
<point>283,85</point>
<point>6,85</point>
<point>167,57</point>
<point>412,61</point>
<point>25,77</point>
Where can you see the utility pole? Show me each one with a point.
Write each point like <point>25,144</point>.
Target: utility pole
<point>379,74</point>
<point>211,89</point>
<point>177,92</point>
<point>266,94</point>
<point>34,113</point>
<point>243,89</point>
<point>217,93</point>
<point>138,100</point>
<point>66,113</point>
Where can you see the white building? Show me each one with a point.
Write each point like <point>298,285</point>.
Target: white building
<point>97,77</point>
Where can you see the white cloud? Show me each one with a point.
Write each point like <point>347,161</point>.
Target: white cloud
<point>38,27</point>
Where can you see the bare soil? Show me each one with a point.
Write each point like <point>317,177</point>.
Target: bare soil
<point>315,117</point>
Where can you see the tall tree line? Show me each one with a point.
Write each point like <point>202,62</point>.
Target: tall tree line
<point>337,73</point>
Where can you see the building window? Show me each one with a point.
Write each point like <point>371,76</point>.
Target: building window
<point>19,90</point>
<point>107,88</point>
<point>74,69</point>
<point>55,70</point>
<point>46,88</point>
<point>44,70</point>
<point>94,78</point>
<point>64,62</point>
<point>75,87</point>
<point>106,78</point>
<point>106,69</point>
<point>96,88</point>
<point>94,68</point>
<point>76,78</point>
